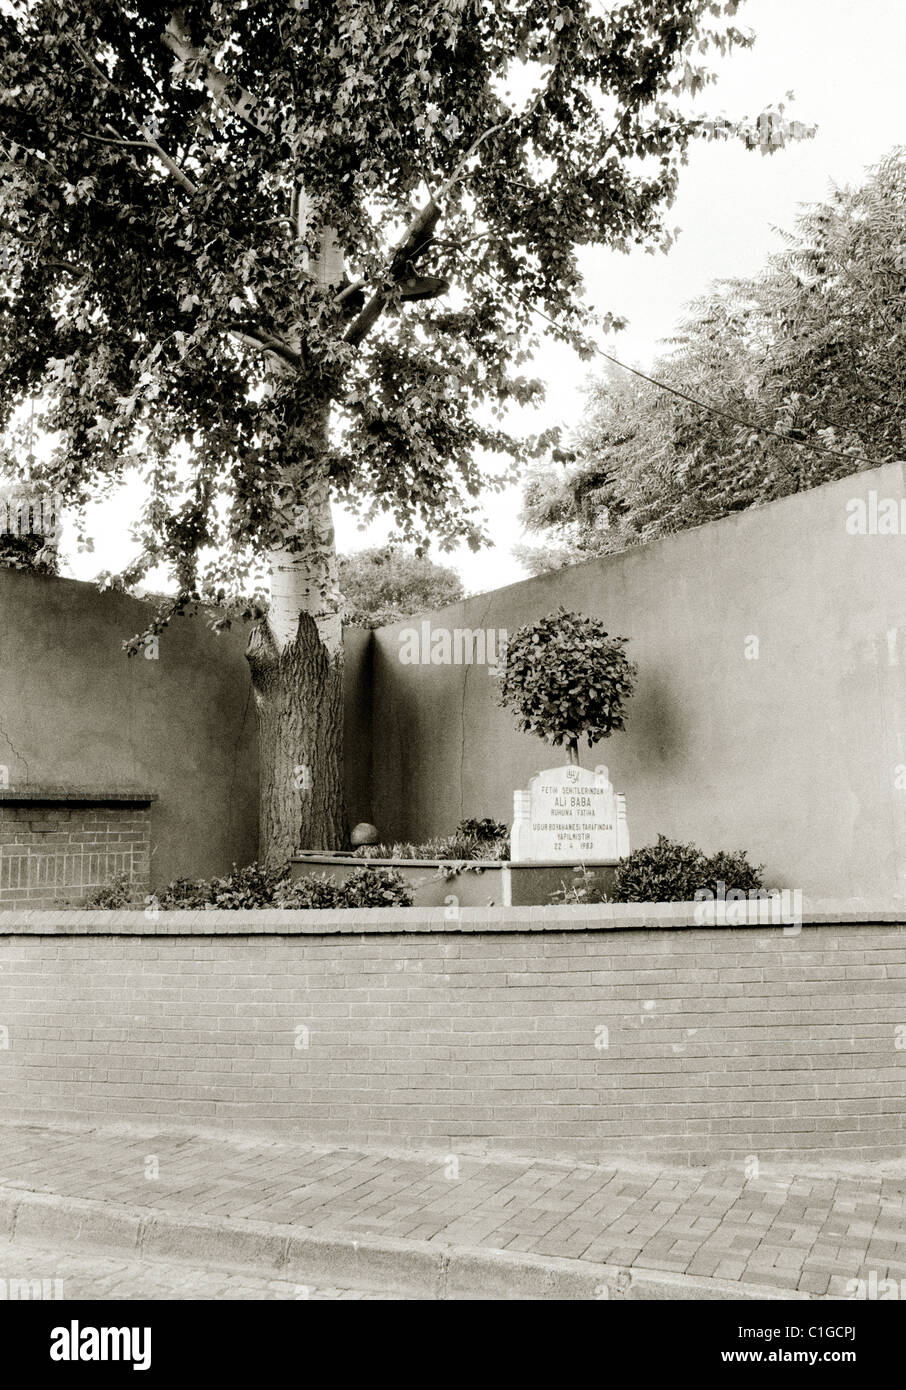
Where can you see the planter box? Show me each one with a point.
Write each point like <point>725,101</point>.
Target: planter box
<point>479,883</point>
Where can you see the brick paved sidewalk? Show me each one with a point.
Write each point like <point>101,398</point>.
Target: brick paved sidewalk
<point>796,1229</point>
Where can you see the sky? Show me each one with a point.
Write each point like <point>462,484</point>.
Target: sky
<point>844,61</point>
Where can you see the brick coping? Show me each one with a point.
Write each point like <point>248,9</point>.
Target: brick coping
<point>84,796</point>
<point>444,920</point>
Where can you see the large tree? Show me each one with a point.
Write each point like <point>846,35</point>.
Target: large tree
<point>223,234</point>
<point>801,366</point>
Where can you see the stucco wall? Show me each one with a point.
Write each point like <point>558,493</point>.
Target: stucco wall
<point>358,650</point>
<point>562,1034</point>
<point>792,755</point>
<point>74,710</point>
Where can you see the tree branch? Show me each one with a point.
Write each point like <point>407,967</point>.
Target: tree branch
<point>177,38</point>
<point>258,338</point>
<point>170,164</point>
<point>419,232</point>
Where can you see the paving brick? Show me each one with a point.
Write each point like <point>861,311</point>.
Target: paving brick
<point>534,1206</point>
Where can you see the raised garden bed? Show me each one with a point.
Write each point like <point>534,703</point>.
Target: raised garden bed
<point>467,883</point>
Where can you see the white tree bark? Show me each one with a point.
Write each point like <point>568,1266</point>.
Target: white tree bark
<point>306,580</point>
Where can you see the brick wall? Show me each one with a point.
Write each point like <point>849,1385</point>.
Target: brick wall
<point>720,1042</point>
<point>51,852</point>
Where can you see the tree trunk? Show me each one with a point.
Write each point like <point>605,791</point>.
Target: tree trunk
<point>299,701</point>
<point>296,660</point>
<point>572,752</point>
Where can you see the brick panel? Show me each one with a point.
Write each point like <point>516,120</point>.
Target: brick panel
<point>56,853</point>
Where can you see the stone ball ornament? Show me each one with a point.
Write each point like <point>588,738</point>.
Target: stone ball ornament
<point>364,834</point>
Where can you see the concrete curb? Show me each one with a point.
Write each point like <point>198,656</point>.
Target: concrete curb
<point>296,1254</point>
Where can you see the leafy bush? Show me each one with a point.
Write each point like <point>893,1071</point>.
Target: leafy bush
<point>311,891</point>
<point>28,552</point>
<point>119,892</point>
<point>460,846</point>
<point>733,870</point>
<point>251,886</point>
<point>369,887</point>
<point>255,887</point>
<point>482,830</point>
<point>671,872</point>
<point>385,584</point>
<point>186,893</point>
<point>566,679</point>
<point>365,887</point>
<point>400,849</point>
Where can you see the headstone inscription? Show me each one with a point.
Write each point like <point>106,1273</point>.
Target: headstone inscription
<point>567,815</point>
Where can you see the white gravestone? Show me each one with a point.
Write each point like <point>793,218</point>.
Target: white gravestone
<point>567,815</point>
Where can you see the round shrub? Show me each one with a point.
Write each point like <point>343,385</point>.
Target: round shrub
<point>733,870</point>
<point>566,678</point>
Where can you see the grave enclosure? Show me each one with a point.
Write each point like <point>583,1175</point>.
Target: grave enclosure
<point>808,727</point>
<point>580,1031</point>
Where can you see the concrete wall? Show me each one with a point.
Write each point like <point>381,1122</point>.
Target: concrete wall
<point>358,651</point>
<point>690,1045</point>
<point>797,755</point>
<point>792,755</point>
<point>74,710</point>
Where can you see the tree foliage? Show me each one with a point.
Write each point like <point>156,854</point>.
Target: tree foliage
<point>168,178</point>
<point>809,352</point>
<point>384,584</point>
<point>28,552</point>
<point>566,679</point>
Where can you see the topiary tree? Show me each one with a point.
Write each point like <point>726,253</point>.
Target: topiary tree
<point>566,679</point>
